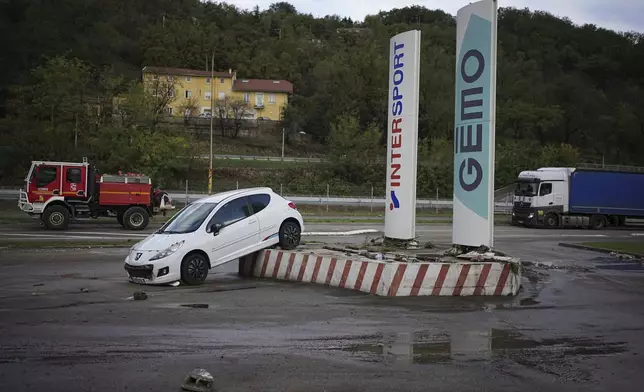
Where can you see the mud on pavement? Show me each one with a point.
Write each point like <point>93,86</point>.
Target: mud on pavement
<point>66,318</point>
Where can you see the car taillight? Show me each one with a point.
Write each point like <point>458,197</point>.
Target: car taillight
<point>292,205</point>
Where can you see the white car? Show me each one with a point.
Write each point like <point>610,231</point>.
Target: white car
<point>213,231</point>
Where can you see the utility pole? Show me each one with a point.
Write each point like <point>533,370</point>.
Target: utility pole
<point>212,115</point>
<point>282,144</point>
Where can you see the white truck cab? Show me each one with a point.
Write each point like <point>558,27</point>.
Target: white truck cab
<point>539,194</point>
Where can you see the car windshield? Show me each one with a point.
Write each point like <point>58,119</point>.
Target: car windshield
<point>188,219</point>
<point>526,188</point>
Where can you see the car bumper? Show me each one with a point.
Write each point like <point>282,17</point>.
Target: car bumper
<point>163,271</point>
<point>525,218</point>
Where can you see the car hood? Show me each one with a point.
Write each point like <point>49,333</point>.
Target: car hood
<point>159,242</point>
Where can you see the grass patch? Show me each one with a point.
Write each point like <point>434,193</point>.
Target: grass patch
<point>353,211</point>
<point>504,220</point>
<point>67,244</point>
<point>624,247</point>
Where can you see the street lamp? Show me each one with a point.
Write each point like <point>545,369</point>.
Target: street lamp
<point>212,112</point>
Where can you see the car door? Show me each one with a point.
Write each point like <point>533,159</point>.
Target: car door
<point>239,232</point>
<point>268,223</point>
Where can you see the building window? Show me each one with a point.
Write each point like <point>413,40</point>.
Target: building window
<point>169,111</point>
<point>207,80</point>
<point>271,98</point>
<point>187,78</point>
<point>222,96</point>
<point>171,93</point>
<point>221,80</point>
<point>246,97</point>
<point>207,95</point>
<point>259,100</point>
<point>188,93</point>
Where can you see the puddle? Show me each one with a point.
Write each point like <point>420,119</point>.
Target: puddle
<point>622,267</point>
<point>485,345</point>
<point>615,264</point>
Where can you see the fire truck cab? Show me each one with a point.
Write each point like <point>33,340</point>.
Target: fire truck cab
<point>57,192</point>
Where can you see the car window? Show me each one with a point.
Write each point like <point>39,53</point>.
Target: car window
<point>188,219</point>
<point>259,202</point>
<point>232,212</point>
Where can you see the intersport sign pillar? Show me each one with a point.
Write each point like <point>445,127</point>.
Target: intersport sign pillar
<point>402,140</point>
<point>474,133</point>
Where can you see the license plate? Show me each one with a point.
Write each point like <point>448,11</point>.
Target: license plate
<point>138,280</point>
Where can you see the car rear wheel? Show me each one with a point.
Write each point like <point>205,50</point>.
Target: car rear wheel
<point>136,218</point>
<point>194,269</point>
<point>290,235</point>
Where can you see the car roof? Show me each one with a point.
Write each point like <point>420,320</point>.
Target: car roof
<point>222,196</point>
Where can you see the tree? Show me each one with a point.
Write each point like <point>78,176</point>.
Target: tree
<point>222,114</point>
<point>356,153</point>
<point>189,108</point>
<point>146,103</point>
<point>239,110</point>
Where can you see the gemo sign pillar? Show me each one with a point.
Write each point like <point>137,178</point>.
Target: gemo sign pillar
<point>474,133</point>
<point>402,140</point>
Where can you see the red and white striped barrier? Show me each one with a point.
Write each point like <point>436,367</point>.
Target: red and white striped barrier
<point>462,278</point>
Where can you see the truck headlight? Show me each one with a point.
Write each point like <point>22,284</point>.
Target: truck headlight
<point>168,251</point>
<point>531,215</point>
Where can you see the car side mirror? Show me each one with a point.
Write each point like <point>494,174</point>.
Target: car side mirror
<point>215,228</point>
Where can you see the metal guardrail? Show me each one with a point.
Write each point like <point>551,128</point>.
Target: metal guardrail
<point>362,201</point>
<point>264,158</point>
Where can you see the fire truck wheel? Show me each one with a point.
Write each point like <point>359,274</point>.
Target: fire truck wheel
<point>136,218</point>
<point>56,217</point>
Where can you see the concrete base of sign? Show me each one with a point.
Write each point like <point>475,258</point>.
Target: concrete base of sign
<point>482,275</point>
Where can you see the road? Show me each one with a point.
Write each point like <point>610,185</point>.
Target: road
<point>528,244</point>
<point>67,325</point>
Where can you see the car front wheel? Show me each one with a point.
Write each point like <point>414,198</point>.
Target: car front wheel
<point>290,235</point>
<point>194,269</point>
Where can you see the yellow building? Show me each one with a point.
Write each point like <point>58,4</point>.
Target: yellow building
<point>193,89</point>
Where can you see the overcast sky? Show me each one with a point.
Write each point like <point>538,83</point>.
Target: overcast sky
<point>621,15</point>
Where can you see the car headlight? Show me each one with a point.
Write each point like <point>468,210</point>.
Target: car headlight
<point>168,251</point>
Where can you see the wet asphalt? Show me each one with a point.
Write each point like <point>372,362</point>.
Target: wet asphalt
<point>67,324</point>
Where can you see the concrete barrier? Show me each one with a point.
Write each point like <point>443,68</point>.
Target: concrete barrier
<point>391,279</point>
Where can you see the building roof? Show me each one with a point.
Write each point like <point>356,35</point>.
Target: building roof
<point>185,72</point>
<point>263,85</point>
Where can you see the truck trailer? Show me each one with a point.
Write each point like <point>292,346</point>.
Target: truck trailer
<point>555,197</point>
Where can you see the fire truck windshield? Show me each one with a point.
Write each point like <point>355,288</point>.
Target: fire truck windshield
<point>188,219</point>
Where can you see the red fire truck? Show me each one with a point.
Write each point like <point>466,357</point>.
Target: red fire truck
<point>57,192</point>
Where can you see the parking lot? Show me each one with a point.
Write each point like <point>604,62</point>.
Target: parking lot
<point>68,318</point>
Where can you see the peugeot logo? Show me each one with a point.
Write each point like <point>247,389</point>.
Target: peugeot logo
<point>138,256</point>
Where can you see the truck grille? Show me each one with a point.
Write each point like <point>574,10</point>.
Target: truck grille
<point>139,271</point>
<point>522,204</point>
